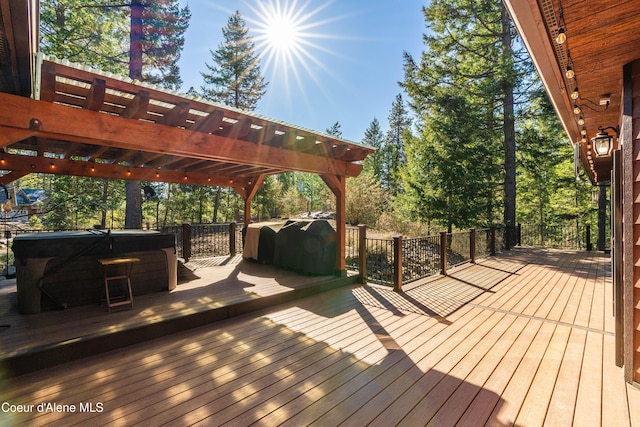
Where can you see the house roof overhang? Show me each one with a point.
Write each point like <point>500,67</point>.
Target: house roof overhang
<point>602,37</point>
<point>84,122</point>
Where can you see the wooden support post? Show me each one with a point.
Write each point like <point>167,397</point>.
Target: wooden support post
<point>589,245</point>
<point>186,241</point>
<point>232,238</point>
<point>247,212</point>
<point>472,245</point>
<point>616,251</point>
<point>443,253</point>
<point>248,192</point>
<point>337,184</point>
<point>397,263</point>
<point>362,252</point>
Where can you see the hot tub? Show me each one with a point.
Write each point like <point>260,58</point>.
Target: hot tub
<point>60,269</point>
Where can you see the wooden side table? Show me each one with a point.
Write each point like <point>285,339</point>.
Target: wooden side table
<point>125,297</point>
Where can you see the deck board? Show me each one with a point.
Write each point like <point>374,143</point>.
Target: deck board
<point>523,338</point>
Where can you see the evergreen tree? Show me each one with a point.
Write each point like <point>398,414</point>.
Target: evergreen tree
<point>373,137</point>
<point>469,62</point>
<point>393,152</point>
<point>148,45</point>
<point>79,32</point>
<point>155,42</point>
<point>549,192</point>
<point>335,130</point>
<point>141,38</point>
<point>234,78</point>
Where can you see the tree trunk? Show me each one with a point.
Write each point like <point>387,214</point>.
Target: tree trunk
<point>216,205</point>
<point>508,129</point>
<point>105,197</point>
<point>135,40</point>
<point>133,214</point>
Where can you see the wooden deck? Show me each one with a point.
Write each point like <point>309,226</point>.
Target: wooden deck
<point>523,339</point>
<point>208,290</point>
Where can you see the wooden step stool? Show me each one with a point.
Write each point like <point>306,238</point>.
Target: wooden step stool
<point>124,300</point>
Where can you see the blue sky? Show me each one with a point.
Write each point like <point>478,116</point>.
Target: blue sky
<point>349,72</point>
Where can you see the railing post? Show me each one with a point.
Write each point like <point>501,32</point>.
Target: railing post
<point>232,238</point>
<point>519,235</point>
<point>397,263</point>
<point>492,242</point>
<point>362,252</point>
<point>472,245</point>
<point>186,241</point>
<point>443,253</point>
<point>589,245</point>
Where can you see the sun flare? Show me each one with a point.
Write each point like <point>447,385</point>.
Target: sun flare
<point>285,31</point>
<point>282,33</point>
<point>295,40</point>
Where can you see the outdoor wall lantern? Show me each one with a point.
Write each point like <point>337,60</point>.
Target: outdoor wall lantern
<point>603,142</point>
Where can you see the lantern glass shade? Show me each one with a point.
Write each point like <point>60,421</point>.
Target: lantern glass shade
<point>602,144</point>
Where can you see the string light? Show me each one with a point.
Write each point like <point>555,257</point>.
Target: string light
<point>570,73</point>
<point>575,94</point>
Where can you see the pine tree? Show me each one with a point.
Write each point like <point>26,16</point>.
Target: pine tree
<point>373,137</point>
<point>393,149</point>
<point>335,130</point>
<point>469,63</point>
<point>94,33</point>
<point>156,39</point>
<point>234,78</point>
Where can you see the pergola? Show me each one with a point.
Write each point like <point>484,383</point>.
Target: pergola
<point>61,118</point>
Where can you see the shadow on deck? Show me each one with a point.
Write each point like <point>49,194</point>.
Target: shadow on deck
<point>208,290</point>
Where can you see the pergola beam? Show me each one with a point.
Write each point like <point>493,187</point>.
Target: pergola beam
<point>78,125</point>
<point>36,164</point>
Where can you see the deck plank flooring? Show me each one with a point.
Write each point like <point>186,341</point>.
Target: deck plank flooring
<point>519,339</point>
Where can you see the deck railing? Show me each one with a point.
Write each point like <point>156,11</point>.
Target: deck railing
<point>401,260</point>
<point>397,260</point>
<point>561,236</point>
<point>205,240</point>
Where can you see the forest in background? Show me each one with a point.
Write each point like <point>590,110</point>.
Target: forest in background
<point>471,139</point>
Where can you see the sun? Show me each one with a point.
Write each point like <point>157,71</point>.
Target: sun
<point>282,33</point>
<point>286,32</point>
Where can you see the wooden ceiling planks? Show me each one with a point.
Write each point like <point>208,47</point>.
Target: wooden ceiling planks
<point>602,36</point>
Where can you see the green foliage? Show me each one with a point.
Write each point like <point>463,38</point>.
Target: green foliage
<point>234,78</point>
<point>549,192</point>
<point>76,202</point>
<point>98,34</point>
<point>461,91</point>
<point>335,130</point>
<point>86,34</point>
<point>265,204</point>
<point>393,148</point>
<point>365,199</point>
<point>373,137</point>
